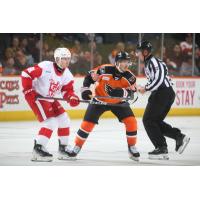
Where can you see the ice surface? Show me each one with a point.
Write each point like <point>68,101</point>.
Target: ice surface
<point>106,145</point>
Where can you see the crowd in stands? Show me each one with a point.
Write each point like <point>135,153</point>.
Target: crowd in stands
<point>20,51</point>
<point>179,59</point>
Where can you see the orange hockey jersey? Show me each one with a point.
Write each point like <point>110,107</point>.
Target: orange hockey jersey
<point>109,75</point>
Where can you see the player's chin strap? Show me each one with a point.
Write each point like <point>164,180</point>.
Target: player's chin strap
<point>118,68</point>
<point>125,104</point>
<point>59,68</point>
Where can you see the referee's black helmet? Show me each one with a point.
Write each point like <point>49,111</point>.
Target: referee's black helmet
<point>145,45</point>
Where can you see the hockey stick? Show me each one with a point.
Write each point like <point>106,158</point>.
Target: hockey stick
<point>110,97</point>
<point>130,98</point>
<point>87,101</point>
<point>120,98</point>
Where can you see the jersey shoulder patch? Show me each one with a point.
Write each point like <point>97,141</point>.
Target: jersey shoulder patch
<point>106,69</point>
<point>46,66</point>
<point>130,77</point>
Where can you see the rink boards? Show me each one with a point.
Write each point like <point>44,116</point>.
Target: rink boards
<point>14,107</point>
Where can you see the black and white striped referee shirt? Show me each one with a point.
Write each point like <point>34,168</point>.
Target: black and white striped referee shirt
<point>156,72</point>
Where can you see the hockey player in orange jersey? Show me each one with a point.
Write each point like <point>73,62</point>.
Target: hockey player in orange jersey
<point>110,81</point>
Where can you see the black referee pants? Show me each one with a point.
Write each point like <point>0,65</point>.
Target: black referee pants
<point>159,104</point>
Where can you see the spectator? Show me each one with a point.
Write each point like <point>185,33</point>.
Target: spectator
<point>33,48</point>
<point>9,68</point>
<point>119,47</point>
<point>23,45</point>
<point>82,66</point>
<point>77,52</point>
<point>97,58</point>
<point>197,59</point>
<point>177,56</point>
<point>77,57</point>
<point>187,68</point>
<point>9,53</point>
<point>1,69</point>
<point>24,48</point>
<point>47,54</point>
<point>21,61</point>
<point>85,63</point>
<point>5,40</point>
<point>186,46</point>
<point>15,44</point>
<point>134,60</point>
<point>175,60</point>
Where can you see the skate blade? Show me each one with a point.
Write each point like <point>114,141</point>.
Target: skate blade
<point>186,140</point>
<point>134,158</point>
<point>63,157</point>
<point>42,159</point>
<point>159,157</point>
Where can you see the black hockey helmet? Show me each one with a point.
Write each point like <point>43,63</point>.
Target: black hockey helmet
<point>122,55</point>
<point>145,45</point>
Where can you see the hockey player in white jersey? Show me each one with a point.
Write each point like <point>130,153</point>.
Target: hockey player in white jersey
<point>49,79</point>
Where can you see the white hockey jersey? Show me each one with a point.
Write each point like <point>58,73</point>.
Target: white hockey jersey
<point>45,79</point>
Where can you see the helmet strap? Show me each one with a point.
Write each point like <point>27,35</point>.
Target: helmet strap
<point>118,67</point>
<point>57,63</point>
<point>59,68</point>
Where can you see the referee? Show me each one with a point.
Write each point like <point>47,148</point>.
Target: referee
<point>159,103</point>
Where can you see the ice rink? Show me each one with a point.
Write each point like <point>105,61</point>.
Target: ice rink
<point>106,145</point>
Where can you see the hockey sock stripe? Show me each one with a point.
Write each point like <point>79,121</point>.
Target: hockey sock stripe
<point>131,137</point>
<point>87,126</point>
<point>82,134</point>
<point>84,131</point>
<point>79,141</point>
<point>133,133</point>
<point>134,136</point>
<point>63,131</point>
<point>45,132</point>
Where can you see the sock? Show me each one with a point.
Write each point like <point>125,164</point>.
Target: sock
<point>43,136</point>
<point>83,133</point>
<point>63,135</point>
<point>131,130</point>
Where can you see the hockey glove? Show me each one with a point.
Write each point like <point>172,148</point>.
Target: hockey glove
<point>86,93</point>
<point>73,100</point>
<point>118,92</point>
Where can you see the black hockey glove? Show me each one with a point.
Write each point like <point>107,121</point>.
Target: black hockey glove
<point>86,93</point>
<point>118,92</point>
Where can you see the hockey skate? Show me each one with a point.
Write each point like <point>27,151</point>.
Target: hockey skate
<point>40,154</point>
<point>73,154</point>
<point>181,143</point>
<point>160,153</point>
<point>63,152</point>
<point>133,153</point>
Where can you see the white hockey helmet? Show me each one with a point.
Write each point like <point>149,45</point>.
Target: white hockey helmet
<point>62,53</point>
